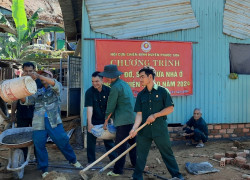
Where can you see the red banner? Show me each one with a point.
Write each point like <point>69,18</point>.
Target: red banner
<point>171,60</point>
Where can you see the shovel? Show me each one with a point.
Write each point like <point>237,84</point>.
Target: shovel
<point>116,159</point>
<point>82,172</point>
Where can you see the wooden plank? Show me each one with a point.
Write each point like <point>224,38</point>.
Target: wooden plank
<point>70,118</point>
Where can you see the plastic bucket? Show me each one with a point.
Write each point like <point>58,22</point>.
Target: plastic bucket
<point>14,89</point>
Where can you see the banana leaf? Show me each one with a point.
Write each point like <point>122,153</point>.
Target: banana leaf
<point>5,24</point>
<point>19,16</point>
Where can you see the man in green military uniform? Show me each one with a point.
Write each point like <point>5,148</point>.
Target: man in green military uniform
<point>120,106</point>
<point>153,104</point>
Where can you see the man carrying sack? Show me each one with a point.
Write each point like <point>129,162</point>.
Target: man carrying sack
<point>96,98</point>
<point>153,104</point>
<point>120,106</point>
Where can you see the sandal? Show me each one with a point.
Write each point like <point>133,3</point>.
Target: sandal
<point>200,145</point>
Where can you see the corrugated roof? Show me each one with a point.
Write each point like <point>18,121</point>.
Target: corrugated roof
<point>236,20</point>
<point>137,18</point>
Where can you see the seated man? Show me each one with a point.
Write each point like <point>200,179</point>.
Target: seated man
<point>199,134</point>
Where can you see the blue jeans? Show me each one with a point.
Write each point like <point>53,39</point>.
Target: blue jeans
<point>59,137</point>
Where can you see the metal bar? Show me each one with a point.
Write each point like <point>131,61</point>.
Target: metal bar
<point>194,42</point>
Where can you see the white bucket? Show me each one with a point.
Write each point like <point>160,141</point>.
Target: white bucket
<point>14,89</point>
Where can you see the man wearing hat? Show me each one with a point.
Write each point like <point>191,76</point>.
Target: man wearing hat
<point>120,106</point>
<point>47,121</point>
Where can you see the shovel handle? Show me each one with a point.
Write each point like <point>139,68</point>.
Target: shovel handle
<point>111,150</point>
<point>116,159</point>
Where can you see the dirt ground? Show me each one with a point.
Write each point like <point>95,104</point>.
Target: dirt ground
<point>63,171</point>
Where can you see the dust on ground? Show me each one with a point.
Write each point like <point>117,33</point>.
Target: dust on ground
<point>155,164</point>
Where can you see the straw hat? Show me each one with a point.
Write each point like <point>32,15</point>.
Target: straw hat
<point>110,71</point>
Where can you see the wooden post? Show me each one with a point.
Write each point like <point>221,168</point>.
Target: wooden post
<point>55,41</point>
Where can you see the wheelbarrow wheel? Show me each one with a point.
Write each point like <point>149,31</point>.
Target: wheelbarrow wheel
<point>17,161</point>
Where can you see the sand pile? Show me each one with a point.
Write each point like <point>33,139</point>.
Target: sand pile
<point>18,138</point>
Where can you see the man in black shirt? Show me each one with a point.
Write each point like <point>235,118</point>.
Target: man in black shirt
<point>96,98</point>
<point>199,133</point>
<point>20,114</point>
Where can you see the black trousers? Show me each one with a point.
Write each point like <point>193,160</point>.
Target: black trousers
<point>198,135</point>
<point>121,133</point>
<point>91,146</point>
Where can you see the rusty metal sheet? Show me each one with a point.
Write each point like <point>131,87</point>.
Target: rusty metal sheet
<point>137,18</point>
<point>236,20</point>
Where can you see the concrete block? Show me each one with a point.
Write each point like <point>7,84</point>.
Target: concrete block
<point>234,148</point>
<point>222,162</point>
<point>240,161</point>
<point>241,154</point>
<point>218,156</point>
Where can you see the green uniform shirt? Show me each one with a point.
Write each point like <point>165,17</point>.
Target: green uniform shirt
<point>121,103</point>
<point>153,102</point>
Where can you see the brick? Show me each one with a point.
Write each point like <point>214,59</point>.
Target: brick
<point>238,130</point>
<point>245,130</point>
<point>240,134</point>
<point>234,148</point>
<point>240,161</point>
<point>210,126</point>
<point>225,135</point>
<point>241,154</point>
<point>246,166</point>
<point>247,125</point>
<point>214,131</point>
<point>247,134</point>
<point>234,135</point>
<point>210,136</point>
<point>222,131</point>
<point>230,131</point>
<point>230,154</point>
<point>173,135</point>
<point>241,125</point>
<point>233,126</point>
<point>170,129</point>
<point>218,156</point>
<point>217,126</point>
<point>217,136</point>
<point>225,126</point>
<point>177,129</point>
<point>228,160</point>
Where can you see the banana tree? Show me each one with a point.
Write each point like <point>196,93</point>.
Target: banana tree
<point>17,43</point>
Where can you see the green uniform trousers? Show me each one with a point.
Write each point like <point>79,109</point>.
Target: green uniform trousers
<point>164,145</point>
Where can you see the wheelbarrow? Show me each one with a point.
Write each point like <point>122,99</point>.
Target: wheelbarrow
<point>16,157</point>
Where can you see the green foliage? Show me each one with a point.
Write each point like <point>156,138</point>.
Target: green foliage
<point>15,46</point>
<point>19,16</point>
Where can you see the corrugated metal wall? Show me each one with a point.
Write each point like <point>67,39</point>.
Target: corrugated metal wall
<point>222,100</point>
